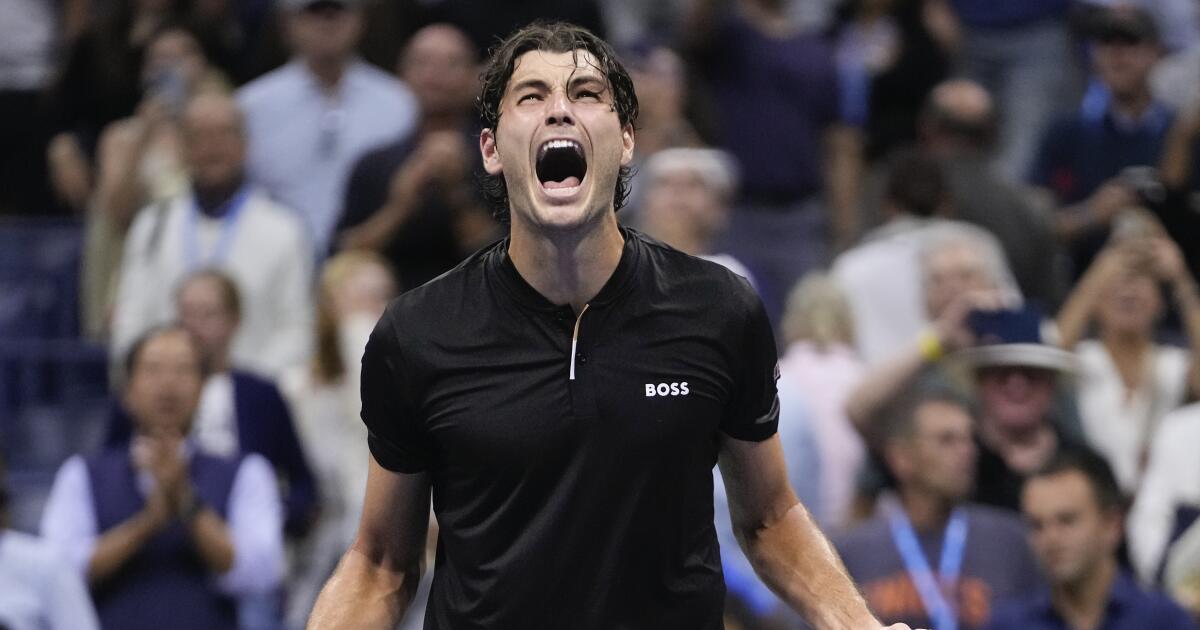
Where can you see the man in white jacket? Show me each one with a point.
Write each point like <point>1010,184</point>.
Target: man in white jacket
<point>220,223</point>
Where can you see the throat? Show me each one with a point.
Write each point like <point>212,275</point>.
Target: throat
<point>213,201</point>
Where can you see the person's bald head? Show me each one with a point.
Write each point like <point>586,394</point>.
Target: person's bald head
<point>441,65</point>
<point>215,140</point>
<point>959,114</point>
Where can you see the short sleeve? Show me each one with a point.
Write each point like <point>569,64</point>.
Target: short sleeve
<point>396,432</point>
<point>752,413</point>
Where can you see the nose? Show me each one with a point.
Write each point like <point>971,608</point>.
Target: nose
<point>558,109</point>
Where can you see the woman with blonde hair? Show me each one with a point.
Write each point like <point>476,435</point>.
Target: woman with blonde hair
<point>820,367</point>
<point>354,289</point>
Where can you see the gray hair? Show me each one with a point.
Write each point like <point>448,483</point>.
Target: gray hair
<point>717,168</point>
<point>943,235</point>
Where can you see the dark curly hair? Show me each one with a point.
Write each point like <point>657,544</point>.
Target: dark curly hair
<point>554,37</point>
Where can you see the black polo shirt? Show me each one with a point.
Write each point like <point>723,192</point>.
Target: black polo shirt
<point>563,502</point>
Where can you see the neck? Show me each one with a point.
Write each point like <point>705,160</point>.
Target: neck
<point>218,363</point>
<point>1133,104</point>
<point>567,267</point>
<point>926,511</point>
<point>1124,343</point>
<point>1005,435</point>
<point>213,198</point>
<point>1081,603</point>
<point>328,72</point>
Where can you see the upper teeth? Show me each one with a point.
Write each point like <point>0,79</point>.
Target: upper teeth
<point>560,144</point>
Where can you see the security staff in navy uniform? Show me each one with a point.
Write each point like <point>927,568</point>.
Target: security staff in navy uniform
<point>565,394</point>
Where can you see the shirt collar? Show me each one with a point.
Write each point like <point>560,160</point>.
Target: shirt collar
<point>1121,597</point>
<point>618,283</point>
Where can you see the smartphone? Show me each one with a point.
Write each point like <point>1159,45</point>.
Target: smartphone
<point>1019,325</point>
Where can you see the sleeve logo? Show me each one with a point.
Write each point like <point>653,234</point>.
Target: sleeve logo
<point>667,389</point>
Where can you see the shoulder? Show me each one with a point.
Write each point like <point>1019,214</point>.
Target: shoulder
<point>711,282</point>
<point>28,553</point>
<point>1181,426</point>
<point>863,537</point>
<point>379,84</point>
<point>270,215</point>
<point>1062,128</point>
<point>996,525</point>
<point>253,383</point>
<point>1013,613</point>
<point>425,309</point>
<point>268,87</point>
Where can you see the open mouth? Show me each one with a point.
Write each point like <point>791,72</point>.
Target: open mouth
<point>560,164</point>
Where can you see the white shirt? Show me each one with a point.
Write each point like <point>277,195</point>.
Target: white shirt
<point>255,522</point>
<point>303,142</point>
<point>881,278</point>
<point>1118,423</point>
<point>38,589</point>
<point>215,428</point>
<point>1172,478</point>
<point>267,256</point>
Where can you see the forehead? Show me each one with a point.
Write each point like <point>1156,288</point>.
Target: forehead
<point>940,415</point>
<point>172,346</point>
<point>1065,491</point>
<point>555,68</point>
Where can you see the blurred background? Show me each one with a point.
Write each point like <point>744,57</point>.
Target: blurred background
<point>974,225</point>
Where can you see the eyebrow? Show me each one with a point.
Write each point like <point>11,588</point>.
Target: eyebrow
<point>539,84</point>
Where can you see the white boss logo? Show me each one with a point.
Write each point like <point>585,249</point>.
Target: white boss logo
<point>667,389</point>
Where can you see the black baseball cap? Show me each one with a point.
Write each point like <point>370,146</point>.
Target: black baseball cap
<point>1125,24</point>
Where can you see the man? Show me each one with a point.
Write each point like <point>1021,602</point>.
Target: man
<point>166,535</point>
<point>1073,506</point>
<point>239,412</point>
<point>566,393</point>
<point>309,121</point>
<point>956,128</point>
<point>686,200</point>
<point>1119,125</point>
<point>221,222</point>
<point>775,102</point>
<point>881,275</point>
<point>976,553</point>
<point>415,200</point>
<point>37,588</point>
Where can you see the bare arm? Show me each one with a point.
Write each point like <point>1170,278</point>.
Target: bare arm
<point>377,578</point>
<point>783,542</point>
<point>843,174</point>
<point>211,537</point>
<point>118,192</point>
<point>1080,306</point>
<point>1175,168</point>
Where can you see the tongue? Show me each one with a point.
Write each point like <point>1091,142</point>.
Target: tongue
<point>569,182</point>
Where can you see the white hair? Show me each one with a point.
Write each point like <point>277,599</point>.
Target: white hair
<point>717,168</point>
<point>942,235</point>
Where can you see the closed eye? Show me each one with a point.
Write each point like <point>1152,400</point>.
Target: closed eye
<point>532,96</point>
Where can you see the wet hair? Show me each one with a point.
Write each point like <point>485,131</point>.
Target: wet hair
<point>1094,469</point>
<point>553,37</point>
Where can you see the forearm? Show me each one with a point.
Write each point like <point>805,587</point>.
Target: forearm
<point>1076,313</point>
<point>376,232</point>
<point>843,173</point>
<point>364,594</point>
<point>211,537</point>
<point>117,545</point>
<point>1175,168</point>
<point>1187,300</point>
<point>796,561</point>
<point>881,385</point>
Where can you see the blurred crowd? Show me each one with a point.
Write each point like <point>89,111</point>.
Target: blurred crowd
<point>974,223</point>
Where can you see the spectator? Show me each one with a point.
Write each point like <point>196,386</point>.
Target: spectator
<point>956,128</point>
<point>983,555</point>
<point>166,534</point>
<point>821,368</point>
<point>239,412</point>
<point>99,82</point>
<point>415,200</point>
<point>1127,380</point>
<point>883,268</point>
<point>309,121</point>
<point>29,30</point>
<point>38,589</point>
<point>775,93</point>
<point>226,223</point>
<point>240,37</point>
<point>686,205</point>
<point>659,76</point>
<point>890,54</point>
<point>1021,51</point>
<point>355,288</point>
<point>1084,155</point>
<point>1180,178</point>
<point>140,163</point>
<point>1073,506</point>
<point>1168,502</point>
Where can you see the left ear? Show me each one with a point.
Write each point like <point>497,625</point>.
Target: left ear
<point>491,155</point>
<point>627,144</point>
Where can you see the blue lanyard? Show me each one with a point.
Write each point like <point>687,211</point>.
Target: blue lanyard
<point>933,594</point>
<point>229,220</point>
